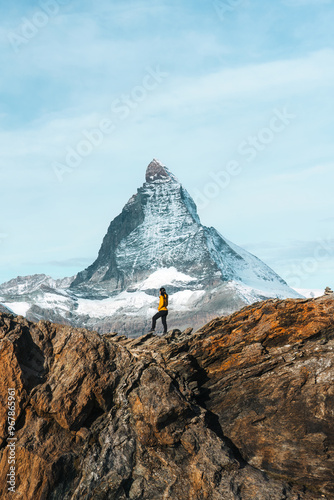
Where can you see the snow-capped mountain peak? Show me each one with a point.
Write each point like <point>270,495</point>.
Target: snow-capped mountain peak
<point>159,228</point>
<point>156,240</point>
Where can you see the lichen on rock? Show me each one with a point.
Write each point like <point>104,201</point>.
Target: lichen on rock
<point>240,409</point>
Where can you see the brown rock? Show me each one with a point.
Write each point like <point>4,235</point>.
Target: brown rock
<point>156,171</point>
<point>241,409</point>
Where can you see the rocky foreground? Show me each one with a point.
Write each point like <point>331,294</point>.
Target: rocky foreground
<point>241,409</point>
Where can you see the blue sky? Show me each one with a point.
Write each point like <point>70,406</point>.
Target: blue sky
<point>234,96</point>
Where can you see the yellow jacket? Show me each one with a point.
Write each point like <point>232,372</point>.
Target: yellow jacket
<point>162,306</point>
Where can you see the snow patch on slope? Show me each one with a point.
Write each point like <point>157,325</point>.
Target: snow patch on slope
<point>251,294</point>
<point>49,300</point>
<point>185,299</point>
<point>19,308</point>
<point>129,303</point>
<point>310,293</point>
<point>29,284</point>
<point>164,277</point>
<point>242,266</point>
<point>125,302</point>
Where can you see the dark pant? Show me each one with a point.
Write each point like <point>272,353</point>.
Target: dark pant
<point>163,316</point>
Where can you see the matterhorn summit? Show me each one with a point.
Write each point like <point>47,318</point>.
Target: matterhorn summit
<point>159,229</point>
<point>157,171</point>
<point>157,240</point>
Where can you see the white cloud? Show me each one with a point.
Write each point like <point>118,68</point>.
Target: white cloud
<point>287,77</point>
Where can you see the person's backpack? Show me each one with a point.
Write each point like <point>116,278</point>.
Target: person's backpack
<point>165,297</point>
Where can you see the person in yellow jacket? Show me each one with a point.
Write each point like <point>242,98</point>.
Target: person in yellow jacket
<point>162,311</point>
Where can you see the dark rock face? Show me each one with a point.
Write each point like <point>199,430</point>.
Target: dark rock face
<point>105,267</point>
<point>241,409</point>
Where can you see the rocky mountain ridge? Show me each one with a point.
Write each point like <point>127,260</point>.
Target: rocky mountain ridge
<point>242,409</point>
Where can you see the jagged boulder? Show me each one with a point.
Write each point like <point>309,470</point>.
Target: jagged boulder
<point>241,409</point>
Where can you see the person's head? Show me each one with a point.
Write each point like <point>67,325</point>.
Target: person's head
<point>162,291</point>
